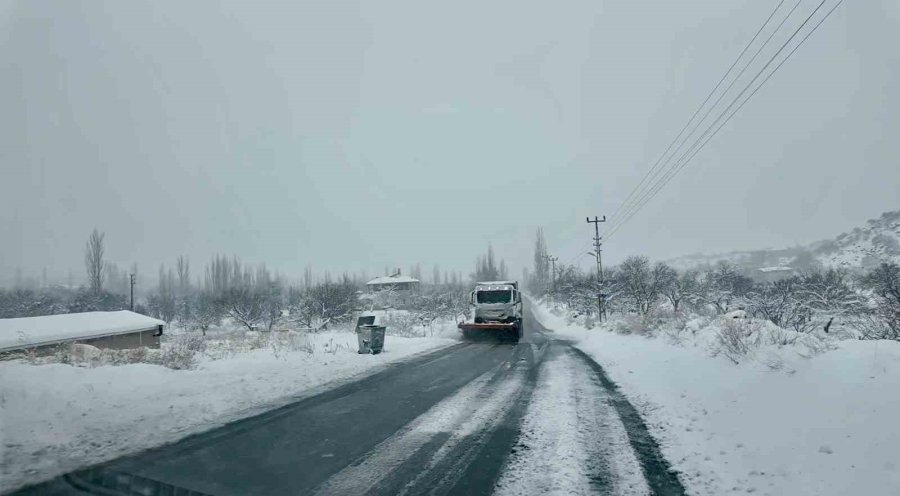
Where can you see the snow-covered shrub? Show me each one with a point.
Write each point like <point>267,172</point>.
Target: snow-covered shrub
<point>589,322</point>
<point>189,341</point>
<point>677,327</point>
<point>632,324</point>
<point>404,324</point>
<point>178,356</point>
<point>737,338</point>
<point>178,352</point>
<point>742,339</point>
<point>62,354</point>
<point>291,341</point>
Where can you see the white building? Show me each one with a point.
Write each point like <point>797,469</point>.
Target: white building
<point>394,282</point>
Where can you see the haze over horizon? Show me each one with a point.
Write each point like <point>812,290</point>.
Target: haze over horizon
<point>351,136</point>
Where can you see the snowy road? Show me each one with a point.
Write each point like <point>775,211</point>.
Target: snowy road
<point>536,417</point>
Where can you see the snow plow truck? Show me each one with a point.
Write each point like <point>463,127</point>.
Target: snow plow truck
<point>496,309</point>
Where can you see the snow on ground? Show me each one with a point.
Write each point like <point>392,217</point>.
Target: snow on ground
<point>57,418</point>
<point>572,440</point>
<point>825,425</point>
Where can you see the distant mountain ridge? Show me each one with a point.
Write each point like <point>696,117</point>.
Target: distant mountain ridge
<point>862,248</point>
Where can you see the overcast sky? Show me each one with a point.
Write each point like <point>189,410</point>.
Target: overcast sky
<point>358,135</point>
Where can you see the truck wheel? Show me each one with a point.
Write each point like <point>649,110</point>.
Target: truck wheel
<point>515,333</point>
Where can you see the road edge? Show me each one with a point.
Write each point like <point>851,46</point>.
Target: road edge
<point>662,479</point>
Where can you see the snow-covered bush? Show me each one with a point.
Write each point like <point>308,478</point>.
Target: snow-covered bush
<point>631,324</point>
<point>180,353</point>
<point>743,339</point>
<point>882,319</point>
<point>736,340</point>
<point>403,323</point>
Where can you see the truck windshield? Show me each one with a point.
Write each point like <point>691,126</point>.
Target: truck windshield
<point>493,296</point>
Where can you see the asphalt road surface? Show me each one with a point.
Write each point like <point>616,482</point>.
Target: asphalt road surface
<point>483,417</point>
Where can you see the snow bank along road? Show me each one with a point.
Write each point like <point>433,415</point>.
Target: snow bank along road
<point>537,417</point>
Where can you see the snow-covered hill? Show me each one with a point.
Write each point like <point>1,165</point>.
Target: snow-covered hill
<point>863,247</point>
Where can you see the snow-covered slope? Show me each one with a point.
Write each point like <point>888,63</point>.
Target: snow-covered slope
<point>877,241</point>
<point>863,247</point>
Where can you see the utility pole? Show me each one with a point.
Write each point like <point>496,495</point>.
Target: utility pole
<point>596,222</point>
<point>552,261</point>
<point>131,279</point>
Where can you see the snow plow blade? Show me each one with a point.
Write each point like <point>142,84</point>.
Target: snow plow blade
<point>487,327</point>
<point>492,330</point>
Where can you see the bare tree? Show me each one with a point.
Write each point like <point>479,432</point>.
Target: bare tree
<point>93,260</point>
<point>642,284</point>
<point>678,288</point>
<point>205,312</point>
<point>884,317</point>
<point>246,305</point>
<point>486,268</point>
<point>183,268</point>
<point>828,295</point>
<point>163,303</point>
<point>541,276</point>
<point>272,290</point>
<point>778,303</point>
<point>724,285</point>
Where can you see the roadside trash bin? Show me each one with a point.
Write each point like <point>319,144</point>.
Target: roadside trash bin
<point>371,338</point>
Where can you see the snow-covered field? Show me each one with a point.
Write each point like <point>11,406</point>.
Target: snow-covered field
<point>776,424</point>
<point>56,418</point>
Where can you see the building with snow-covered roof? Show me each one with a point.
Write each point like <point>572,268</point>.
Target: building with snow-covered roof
<point>117,330</point>
<point>395,282</point>
<point>772,274</point>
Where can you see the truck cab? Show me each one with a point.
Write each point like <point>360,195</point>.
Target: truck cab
<point>496,302</point>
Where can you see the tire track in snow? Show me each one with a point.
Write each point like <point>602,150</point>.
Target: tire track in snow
<point>474,409</point>
<point>572,440</point>
<point>663,481</point>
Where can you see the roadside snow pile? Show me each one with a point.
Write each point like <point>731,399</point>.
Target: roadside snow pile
<point>57,418</point>
<point>795,414</point>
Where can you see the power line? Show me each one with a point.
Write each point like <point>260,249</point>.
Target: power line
<point>681,162</point>
<point>668,167</point>
<point>694,149</point>
<point>705,101</point>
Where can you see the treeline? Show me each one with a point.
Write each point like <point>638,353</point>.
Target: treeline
<point>252,296</point>
<point>33,302</point>
<point>226,288</point>
<point>815,299</point>
<point>255,297</point>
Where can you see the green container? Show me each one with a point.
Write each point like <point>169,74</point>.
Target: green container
<point>371,339</point>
